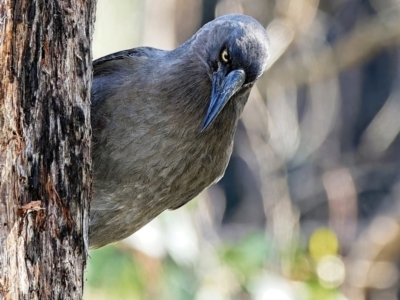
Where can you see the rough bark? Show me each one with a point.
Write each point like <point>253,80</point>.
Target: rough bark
<point>45,164</point>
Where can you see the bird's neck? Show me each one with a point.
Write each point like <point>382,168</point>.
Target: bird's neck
<point>187,99</point>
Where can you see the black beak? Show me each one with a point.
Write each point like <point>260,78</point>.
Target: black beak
<point>223,88</point>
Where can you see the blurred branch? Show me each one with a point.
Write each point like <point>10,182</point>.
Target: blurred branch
<point>366,39</point>
<point>282,217</point>
<point>370,263</point>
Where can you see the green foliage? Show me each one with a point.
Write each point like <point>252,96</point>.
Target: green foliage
<point>236,270</point>
<point>115,273</point>
<point>248,256</point>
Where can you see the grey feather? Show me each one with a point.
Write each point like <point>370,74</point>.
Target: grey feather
<point>148,105</point>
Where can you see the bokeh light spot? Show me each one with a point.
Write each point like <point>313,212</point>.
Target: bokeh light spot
<point>331,271</point>
<point>323,242</point>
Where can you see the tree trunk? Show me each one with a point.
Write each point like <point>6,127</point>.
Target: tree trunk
<point>45,162</point>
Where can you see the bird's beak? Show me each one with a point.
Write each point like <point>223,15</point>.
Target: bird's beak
<point>223,88</point>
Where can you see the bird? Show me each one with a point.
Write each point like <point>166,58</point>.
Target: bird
<point>163,122</point>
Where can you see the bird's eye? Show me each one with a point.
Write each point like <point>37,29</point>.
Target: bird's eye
<point>225,56</point>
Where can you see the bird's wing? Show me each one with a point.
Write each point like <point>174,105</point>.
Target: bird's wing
<point>103,63</point>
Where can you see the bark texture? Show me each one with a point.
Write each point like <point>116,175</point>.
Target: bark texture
<point>45,164</point>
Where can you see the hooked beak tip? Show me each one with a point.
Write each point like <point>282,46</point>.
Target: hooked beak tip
<point>223,88</point>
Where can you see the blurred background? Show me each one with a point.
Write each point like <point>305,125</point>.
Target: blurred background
<point>309,207</point>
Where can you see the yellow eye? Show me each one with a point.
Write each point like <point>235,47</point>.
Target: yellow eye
<point>225,56</point>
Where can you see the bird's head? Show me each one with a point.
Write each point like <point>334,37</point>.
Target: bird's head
<point>234,50</point>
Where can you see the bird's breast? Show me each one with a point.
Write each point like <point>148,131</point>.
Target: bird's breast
<point>189,165</point>
<point>148,157</point>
